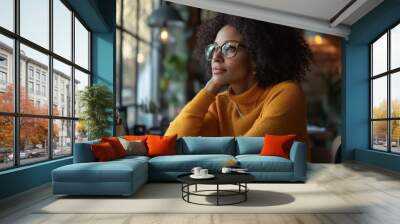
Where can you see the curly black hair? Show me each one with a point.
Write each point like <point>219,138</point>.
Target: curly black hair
<point>279,52</point>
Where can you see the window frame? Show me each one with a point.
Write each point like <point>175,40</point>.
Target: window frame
<point>388,74</point>
<point>16,114</point>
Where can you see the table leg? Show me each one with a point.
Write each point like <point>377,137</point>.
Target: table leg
<point>196,188</point>
<point>188,189</point>
<point>217,194</point>
<point>245,193</point>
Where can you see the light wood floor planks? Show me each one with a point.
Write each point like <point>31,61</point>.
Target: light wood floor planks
<point>376,188</point>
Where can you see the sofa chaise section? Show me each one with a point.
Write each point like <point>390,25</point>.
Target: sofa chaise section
<point>87,177</point>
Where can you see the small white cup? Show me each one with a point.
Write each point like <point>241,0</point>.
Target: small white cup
<point>196,170</point>
<point>226,170</point>
<point>203,172</point>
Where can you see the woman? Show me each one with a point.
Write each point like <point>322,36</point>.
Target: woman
<point>261,64</point>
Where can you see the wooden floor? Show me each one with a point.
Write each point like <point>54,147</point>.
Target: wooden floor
<point>378,188</point>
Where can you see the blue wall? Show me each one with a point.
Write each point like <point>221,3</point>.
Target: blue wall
<point>24,178</point>
<point>99,15</point>
<point>356,85</point>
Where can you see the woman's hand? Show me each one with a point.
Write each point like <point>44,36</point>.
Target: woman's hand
<point>213,86</point>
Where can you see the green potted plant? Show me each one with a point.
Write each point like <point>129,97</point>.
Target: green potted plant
<point>96,102</point>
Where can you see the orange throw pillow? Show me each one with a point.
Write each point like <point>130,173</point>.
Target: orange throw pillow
<point>135,137</point>
<point>116,145</point>
<point>161,145</point>
<point>277,145</point>
<point>103,151</point>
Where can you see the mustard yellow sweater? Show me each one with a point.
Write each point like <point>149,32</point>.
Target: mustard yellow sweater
<point>277,109</point>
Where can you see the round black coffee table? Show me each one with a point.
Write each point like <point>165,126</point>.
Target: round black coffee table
<point>238,179</point>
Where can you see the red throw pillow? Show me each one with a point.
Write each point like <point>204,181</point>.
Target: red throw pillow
<point>135,137</point>
<point>277,145</point>
<point>161,145</point>
<point>103,151</point>
<point>116,145</point>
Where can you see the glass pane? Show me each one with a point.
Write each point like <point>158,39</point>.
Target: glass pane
<point>34,92</point>
<point>81,81</point>
<point>379,55</point>
<point>62,138</point>
<point>6,74</point>
<point>379,97</point>
<point>143,58</point>
<point>130,20</point>
<point>118,11</point>
<point>129,70</point>
<point>395,136</point>
<point>62,89</point>
<point>62,29</point>
<point>81,45</point>
<point>145,84</point>
<point>395,95</point>
<point>6,142</point>
<point>395,47</point>
<point>33,139</point>
<point>130,117</point>
<point>35,21</point>
<point>7,14</point>
<point>81,131</point>
<point>144,12</point>
<point>379,135</point>
<point>118,63</point>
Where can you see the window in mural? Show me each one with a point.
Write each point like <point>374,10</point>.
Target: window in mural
<point>43,112</point>
<point>385,96</point>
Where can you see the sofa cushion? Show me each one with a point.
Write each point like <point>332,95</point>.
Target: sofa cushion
<point>257,163</point>
<point>206,145</point>
<point>103,151</point>
<point>161,145</point>
<point>116,145</point>
<point>249,145</point>
<point>134,147</point>
<point>185,163</point>
<point>277,145</point>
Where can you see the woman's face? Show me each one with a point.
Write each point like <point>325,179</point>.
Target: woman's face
<point>233,70</point>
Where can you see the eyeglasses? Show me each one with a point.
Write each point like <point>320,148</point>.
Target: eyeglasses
<point>228,49</point>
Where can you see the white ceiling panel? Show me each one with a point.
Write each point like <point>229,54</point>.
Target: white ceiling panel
<point>320,9</point>
<point>324,16</point>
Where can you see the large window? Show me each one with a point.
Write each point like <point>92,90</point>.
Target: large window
<point>44,64</point>
<point>133,40</point>
<point>385,92</point>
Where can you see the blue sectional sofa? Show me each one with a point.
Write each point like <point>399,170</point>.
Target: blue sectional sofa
<point>125,176</point>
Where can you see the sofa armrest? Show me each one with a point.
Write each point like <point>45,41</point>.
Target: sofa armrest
<point>298,156</point>
<point>83,152</point>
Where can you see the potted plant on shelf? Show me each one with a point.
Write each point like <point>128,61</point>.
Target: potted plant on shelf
<point>96,102</point>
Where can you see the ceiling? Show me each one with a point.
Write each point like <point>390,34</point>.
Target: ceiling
<point>333,17</point>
